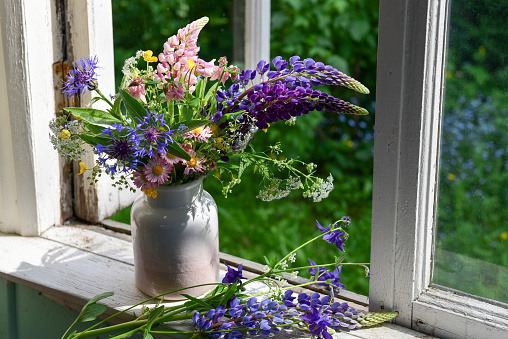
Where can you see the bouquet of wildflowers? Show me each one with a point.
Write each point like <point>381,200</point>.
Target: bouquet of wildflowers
<point>177,117</point>
<point>233,310</point>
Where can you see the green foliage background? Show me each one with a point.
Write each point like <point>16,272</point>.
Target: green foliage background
<point>342,33</point>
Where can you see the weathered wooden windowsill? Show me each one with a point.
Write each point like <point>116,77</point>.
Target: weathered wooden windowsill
<point>71,264</point>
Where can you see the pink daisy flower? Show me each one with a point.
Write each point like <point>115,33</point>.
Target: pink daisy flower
<point>172,159</point>
<point>195,164</point>
<point>141,182</point>
<point>200,134</point>
<point>157,170</point>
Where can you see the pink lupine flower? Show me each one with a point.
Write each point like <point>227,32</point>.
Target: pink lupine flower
<point>137,89</point>
<point>157,170</point>
<point>200,134</point>
<point>173,90</point>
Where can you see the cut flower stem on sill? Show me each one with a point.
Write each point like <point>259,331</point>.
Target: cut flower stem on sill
<point>231,311</point>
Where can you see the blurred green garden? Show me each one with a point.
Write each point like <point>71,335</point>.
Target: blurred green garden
<point>473,197</point>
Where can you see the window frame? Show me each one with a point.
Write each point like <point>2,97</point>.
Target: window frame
<point>411,55</point>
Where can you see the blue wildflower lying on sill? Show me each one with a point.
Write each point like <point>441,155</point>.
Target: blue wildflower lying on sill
<point>231,311</point>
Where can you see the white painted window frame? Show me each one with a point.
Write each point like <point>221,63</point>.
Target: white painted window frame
<point>31,41</point>
<point>411,54</point>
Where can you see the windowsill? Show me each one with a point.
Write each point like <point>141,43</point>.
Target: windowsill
<point>72,264</point>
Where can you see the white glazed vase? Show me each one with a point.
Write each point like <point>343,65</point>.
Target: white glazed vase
<point>175,239</point>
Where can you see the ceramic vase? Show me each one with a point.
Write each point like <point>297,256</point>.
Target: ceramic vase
<point>175,239</point>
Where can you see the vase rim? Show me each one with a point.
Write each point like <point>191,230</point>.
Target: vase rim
<point>178,195</point>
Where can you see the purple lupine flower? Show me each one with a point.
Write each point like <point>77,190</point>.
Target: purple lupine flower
<point>334,237</point>
<point>155,134</point>
<point>262,67</point>
<point>318,323</point>
<point>81,77</point>
<point>122,149</point>
<point>232,276</point>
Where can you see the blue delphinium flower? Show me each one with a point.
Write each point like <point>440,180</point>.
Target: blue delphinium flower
<point>323,275</point>
<point>122,149</point>
<point>81,78</point>
<point>334,237</point>
<point>233,275</point>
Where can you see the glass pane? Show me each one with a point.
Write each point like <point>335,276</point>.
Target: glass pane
<point>472,229</point>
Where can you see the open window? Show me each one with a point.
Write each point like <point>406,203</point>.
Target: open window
<point>409,123</point>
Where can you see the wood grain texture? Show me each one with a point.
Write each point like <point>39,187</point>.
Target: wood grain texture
<point>71,264</point>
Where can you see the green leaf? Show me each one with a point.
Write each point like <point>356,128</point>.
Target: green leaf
<point>194,103</point>
<point>197,301</point>
<point>340,259</point>
<point>187,112</point>
<point>273,261</point>
<point>152,317</point>
<point>245,162</point>
<point>91,309</point>
<point>177,151</point>
<point>231,290</point>
<point>152,82</point>
<point>92,115</point>
<point>70,335</point>
<point>200,88</point>
<point>92,141</point>
<point>116,107</point>
<point>133,107</point>
<point>94,128</point>
<point>212,91</point>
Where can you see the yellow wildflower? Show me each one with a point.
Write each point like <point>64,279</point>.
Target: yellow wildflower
<point>215,130</point>
<point>65,134</point>
<point>219,143</point>
<point>147,56</point>
<point>151,192</point>
<point>82,167</point>
<point>350,143</point>
<point>451,176</point>
<point>503,236</point>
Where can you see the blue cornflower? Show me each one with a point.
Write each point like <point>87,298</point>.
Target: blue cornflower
<point>155,134</point>
<point>81,78</point>
<point>122,148</point>
<point>334,237</point>
<point>233,275</point>
<point>318,323</point>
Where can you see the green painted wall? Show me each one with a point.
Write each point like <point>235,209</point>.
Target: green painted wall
<point>28,314</point>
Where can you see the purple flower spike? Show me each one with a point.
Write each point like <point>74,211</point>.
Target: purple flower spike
<point>309,63</point>
<point>262,67</point>
<point>294,59</point>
